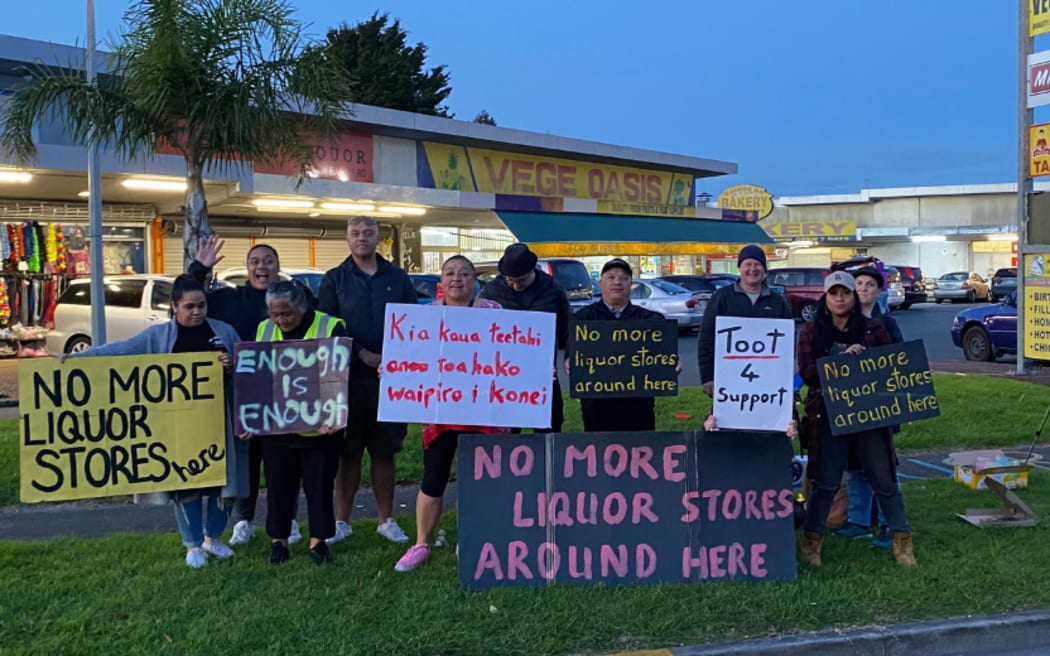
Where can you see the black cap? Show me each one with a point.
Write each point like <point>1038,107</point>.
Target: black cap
<point>517,260</point>
<point>617,263</point>
<point>870,271</point>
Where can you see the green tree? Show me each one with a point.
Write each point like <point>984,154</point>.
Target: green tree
<point>386,71</point>
<point>212,78</point>
<point>484,118</point>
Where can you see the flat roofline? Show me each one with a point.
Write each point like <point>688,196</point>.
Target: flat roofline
<point>870,195</point>
<point>17,52</point>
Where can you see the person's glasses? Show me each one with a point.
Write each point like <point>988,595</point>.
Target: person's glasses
<point>517,281</point>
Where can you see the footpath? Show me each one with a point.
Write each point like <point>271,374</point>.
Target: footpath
<point>1006,634</point>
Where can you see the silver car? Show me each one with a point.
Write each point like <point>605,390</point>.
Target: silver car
<point>133,303</point>
<point>962,286</point>
<point>670,300</point>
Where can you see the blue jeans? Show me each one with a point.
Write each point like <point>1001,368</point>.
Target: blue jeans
<point>190,509</point>
<point>860,499</point>
<point>874,450</point>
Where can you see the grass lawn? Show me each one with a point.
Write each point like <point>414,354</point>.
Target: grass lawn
<point>133,594</point>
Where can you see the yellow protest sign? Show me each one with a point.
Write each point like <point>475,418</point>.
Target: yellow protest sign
<point>97,427</point>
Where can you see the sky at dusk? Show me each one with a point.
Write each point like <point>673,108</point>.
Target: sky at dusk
<point>822,96</point>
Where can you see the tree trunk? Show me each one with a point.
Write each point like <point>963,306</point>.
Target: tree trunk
<point>196,228</point>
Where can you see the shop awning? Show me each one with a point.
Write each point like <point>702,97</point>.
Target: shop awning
<point>552,234</point>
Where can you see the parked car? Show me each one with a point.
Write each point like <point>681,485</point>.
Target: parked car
<point>572,274</point>
<point>671,300</point>
<point>913,285</point>
<point>987,331</point>
<point>310,277</point>
<point>962,286</point>
<point>428,287</point>
<point>695,283</point>
<point>133,302</point>
<point>1004,281</point>
<point>717,281</point>
<point>804,285</point>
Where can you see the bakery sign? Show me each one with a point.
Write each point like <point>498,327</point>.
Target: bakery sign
<point>752,200</point>
<point>831,230</point>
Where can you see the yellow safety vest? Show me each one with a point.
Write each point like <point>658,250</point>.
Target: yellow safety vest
<point>322,326</point>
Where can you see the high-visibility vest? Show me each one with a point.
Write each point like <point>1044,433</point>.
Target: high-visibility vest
<point>323,325</point>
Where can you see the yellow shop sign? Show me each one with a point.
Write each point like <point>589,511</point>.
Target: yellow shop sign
<point>463,168</point>
<point>749,198</point>
<point>835,230</point>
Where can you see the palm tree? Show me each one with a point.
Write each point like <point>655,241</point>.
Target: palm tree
<point>216,80</point>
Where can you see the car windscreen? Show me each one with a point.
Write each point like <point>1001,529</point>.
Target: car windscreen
<point>312,280</point>
<point>668,287</point>
<point>954,276</point>
<point>572,275</point>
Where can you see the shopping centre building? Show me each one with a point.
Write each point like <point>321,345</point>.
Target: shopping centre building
<point>941,228</point>
<point>437,187</point>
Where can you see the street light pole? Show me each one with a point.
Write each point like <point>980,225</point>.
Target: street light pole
<point>98,291</point>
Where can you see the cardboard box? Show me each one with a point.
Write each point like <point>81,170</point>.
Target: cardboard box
<point>1013,514</point>
<point>1011,475</point>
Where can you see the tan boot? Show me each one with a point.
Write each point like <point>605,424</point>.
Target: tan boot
<point>810,547</point>
<point>902,550</point>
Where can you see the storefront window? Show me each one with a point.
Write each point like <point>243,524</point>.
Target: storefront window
<point>123,249</point>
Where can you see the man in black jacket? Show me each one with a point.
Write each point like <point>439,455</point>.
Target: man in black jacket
<point>747,297</point>
<point>357,291</point>
<point>521,286</point>
<point>617,413</point>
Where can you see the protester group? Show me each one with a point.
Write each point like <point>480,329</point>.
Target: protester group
<point>327,465</point>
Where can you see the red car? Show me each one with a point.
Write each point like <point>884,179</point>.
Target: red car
<point>804,286</point>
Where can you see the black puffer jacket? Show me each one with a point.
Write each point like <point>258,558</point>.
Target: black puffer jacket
<point>545,294</point>
<point>732,301</point>
<point>360,300</point>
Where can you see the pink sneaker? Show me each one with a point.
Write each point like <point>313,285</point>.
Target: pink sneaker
<point>413,558</point>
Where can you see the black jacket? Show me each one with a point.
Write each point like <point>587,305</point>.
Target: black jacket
<point>360,300</point>
<point>732,301</point>
<point>242,307</point>
<point>545,294</point>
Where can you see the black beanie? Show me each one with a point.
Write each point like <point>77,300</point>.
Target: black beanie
<point>751,252</point>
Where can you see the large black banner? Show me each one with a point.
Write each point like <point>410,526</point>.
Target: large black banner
<point>883,386</point>
<point>624,508</point>
<point>622,358</point>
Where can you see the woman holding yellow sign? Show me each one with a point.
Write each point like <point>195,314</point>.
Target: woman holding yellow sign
<point>201,515</point>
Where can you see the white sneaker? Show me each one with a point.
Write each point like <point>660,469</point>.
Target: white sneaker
<point>342,532</point>
<point>217,548</point>
<point>196,558</point>
<point>391,531</point>
<point>294,536</point>
<point>242,532</point>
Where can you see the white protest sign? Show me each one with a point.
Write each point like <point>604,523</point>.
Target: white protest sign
<point>467,366</point>
<point>754,373</point>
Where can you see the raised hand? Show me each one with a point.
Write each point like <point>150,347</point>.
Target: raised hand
<point>208,253</point>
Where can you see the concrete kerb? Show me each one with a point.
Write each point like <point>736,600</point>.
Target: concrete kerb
<point>969,635</point>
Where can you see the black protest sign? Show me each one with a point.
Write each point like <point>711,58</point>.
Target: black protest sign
<point>624,508</point>
<point>882,386</point>
<point>293,386</point>
<point>623,358</point>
